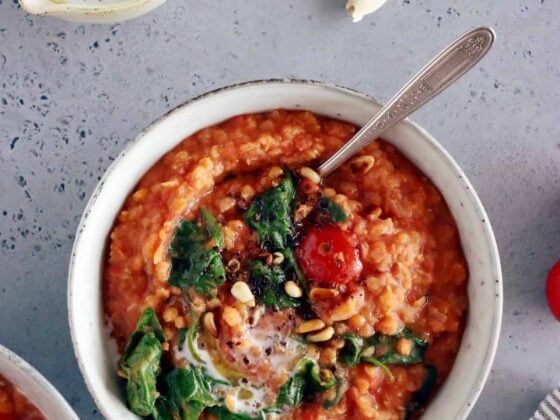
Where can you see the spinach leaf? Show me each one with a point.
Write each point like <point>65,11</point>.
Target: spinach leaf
<point>351,353</point>
<point>335,212</point>
<point>164,409</point>
<point>181,337</point>
<point>357,350</point>
<point>268,286</point>
<point>422,395</point>
<point>212,227</point>
<point>192,263</point>
<point>186,385</point>
<point>380,350</point>
<point>385,348</point>
<point>378,363</point>
<point>141,363</point>
<point>186,393</point>
<point>190,338</point>
<point>307,380</point>
<point>271,214</point>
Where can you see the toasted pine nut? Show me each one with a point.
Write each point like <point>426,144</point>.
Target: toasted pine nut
<point>310,174</point>
<point>321,293</point>
<point>233,265</point>
<point>310,326</point>
<point>277,258</point>
<point>209,323</point>
<point>240,290</point>
<point>292,289</point>
<point>323,335</point>
<point>362,164</point>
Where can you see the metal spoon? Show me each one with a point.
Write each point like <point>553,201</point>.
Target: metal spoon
<point>448,66</point>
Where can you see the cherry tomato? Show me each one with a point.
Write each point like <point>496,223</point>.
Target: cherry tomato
<point>327,254</point>
<point>553,290</point>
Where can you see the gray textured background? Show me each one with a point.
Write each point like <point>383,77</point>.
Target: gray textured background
<point>73,95</point>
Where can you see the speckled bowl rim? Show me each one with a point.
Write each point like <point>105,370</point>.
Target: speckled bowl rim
<point>33,385</point>
<point>484,369</point>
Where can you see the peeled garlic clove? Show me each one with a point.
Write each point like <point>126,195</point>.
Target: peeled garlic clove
<point>359,8</point>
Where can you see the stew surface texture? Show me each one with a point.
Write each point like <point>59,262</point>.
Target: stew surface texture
<point>14,405</point>
<point>237,286</point>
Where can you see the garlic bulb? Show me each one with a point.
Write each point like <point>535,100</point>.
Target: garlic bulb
<point>359,8</point>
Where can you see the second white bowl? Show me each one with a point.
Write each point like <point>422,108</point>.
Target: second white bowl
<point>34,386</point>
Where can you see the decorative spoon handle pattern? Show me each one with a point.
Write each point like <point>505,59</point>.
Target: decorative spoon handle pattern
<point>448,66</point>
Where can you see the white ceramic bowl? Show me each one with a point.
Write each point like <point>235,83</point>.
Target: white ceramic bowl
<point>460,391</point>
<point>91,11</point>
<point>34,386</point>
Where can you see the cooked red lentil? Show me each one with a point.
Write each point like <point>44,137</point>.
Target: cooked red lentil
<point>273,293</point>
<point>14,405</point>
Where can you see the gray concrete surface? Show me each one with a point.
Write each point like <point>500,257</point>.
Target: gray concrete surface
<point>72,96</point>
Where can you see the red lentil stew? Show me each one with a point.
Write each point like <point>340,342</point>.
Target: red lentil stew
<point>240,287</point>
<point>14,405</point>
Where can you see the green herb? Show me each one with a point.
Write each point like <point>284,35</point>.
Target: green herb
<point>186,385</point>
<point>268,286</point>
<point>193,265</point>
<point>378,363</point>
<point>213,227</point>
<point>351,353</point>
<point>422,395</point>
<point>385,348</point>
<point>271,214</point>
<point>357,350</point>
<point>141,363</point>
<point>191,336</point>
<point>335,212</point>
<point>186,393</point>
<point>164,409</point>
<point>308,380</point>
<point>181,337</point>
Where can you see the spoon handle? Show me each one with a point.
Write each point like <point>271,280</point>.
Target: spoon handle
<point>448,66</point>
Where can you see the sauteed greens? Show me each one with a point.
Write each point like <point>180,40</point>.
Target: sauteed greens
<point>195,256</point>
<point>158,389</point>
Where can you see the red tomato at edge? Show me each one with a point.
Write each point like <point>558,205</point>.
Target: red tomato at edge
<point>327,254</point>
<point>553,290</point>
